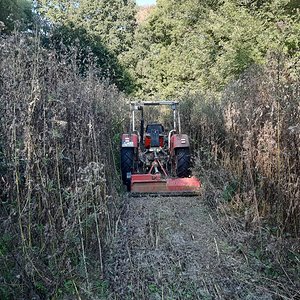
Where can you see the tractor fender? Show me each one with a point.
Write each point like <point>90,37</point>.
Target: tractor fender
<point>179,141</point>
<point>129,140</point>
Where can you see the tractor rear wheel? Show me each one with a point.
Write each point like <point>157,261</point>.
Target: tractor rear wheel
<point>182,162</point>
<point>127,158</point>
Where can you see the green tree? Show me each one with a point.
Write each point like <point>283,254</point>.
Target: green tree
<point>102,27</point>
<point>194,45</point>
<point>168,55</point>
<point>113,21</point>
<point>16,13</point>
<point>90,50</point>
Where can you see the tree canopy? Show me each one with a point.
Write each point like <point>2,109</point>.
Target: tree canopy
<point>182,46</point>
<point>104,28</point>
<point>112,21</point>
<point>15,13</point>
<point>202,45</point>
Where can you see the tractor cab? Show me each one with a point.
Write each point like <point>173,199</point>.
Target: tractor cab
<point>154,136</point>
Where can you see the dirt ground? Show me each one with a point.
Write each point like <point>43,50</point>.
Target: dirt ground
<point>174,248</point>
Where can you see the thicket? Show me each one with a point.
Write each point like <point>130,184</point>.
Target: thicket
<point>248,160</point>
<point>58,135</point>
<point>195,45</point>
<point>61,116</point>
<point>15,13</point>
<point>254,132</point>
<point>104,27</point>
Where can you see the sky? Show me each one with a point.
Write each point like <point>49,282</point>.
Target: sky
<point>145,2</point>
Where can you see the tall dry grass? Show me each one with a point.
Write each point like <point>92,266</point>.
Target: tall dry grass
<point>58,198</point>
<point>254,132</point>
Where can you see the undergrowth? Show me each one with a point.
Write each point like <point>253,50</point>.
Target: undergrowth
<point>248,159</point>
<point>58,171</point>
<point>254,133</point>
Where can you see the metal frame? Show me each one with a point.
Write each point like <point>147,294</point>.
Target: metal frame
<point>134,106</point>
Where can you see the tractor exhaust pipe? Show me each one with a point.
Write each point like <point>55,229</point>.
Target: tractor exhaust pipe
<point>142,127</point>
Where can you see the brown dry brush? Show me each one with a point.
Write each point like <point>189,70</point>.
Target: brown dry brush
<point>263,122</point>
<point>254,131</point>
<point>58,200</point>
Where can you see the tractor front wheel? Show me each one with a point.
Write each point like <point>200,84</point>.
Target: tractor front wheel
<point>182,164</point>
<point>127,159</point>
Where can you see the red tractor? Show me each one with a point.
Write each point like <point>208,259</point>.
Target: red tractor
<point>156,161</point>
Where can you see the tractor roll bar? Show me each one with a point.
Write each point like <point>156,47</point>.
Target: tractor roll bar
<point>154,103</point>
<point>139,106</point>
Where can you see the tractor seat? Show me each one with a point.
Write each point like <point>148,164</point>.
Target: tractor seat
<point>154,136</point>
<point>155,127</point>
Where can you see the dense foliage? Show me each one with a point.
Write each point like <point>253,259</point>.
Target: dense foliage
<point>112,21</point>
<point>58,173</point>
<point>104,28</point>
<point>190,46</point>
<point>15,14</point>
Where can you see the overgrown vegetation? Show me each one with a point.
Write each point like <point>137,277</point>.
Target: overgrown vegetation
<point>233,64</point>
<point>15,13</point>
<point>254,132</point>
<point>106,28</point>
<point>192,46</point>
<point>58,171</point>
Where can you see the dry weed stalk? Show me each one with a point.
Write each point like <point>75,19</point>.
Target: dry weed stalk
<point>249,161</point>
<point>58,164</point>
<point>255,133</point>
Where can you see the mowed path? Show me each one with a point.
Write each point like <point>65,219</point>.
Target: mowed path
<point>172,248</point>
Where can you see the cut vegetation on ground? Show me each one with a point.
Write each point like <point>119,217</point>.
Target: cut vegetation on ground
<point>175,248</point>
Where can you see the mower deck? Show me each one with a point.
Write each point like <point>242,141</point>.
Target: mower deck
<point>154,184</point>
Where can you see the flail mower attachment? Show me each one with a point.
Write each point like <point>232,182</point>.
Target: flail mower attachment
<point>155,162</point>
<point>154,184</point>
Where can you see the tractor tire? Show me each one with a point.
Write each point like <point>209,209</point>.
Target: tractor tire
<point>182,162</point>
<point>127,159</point>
